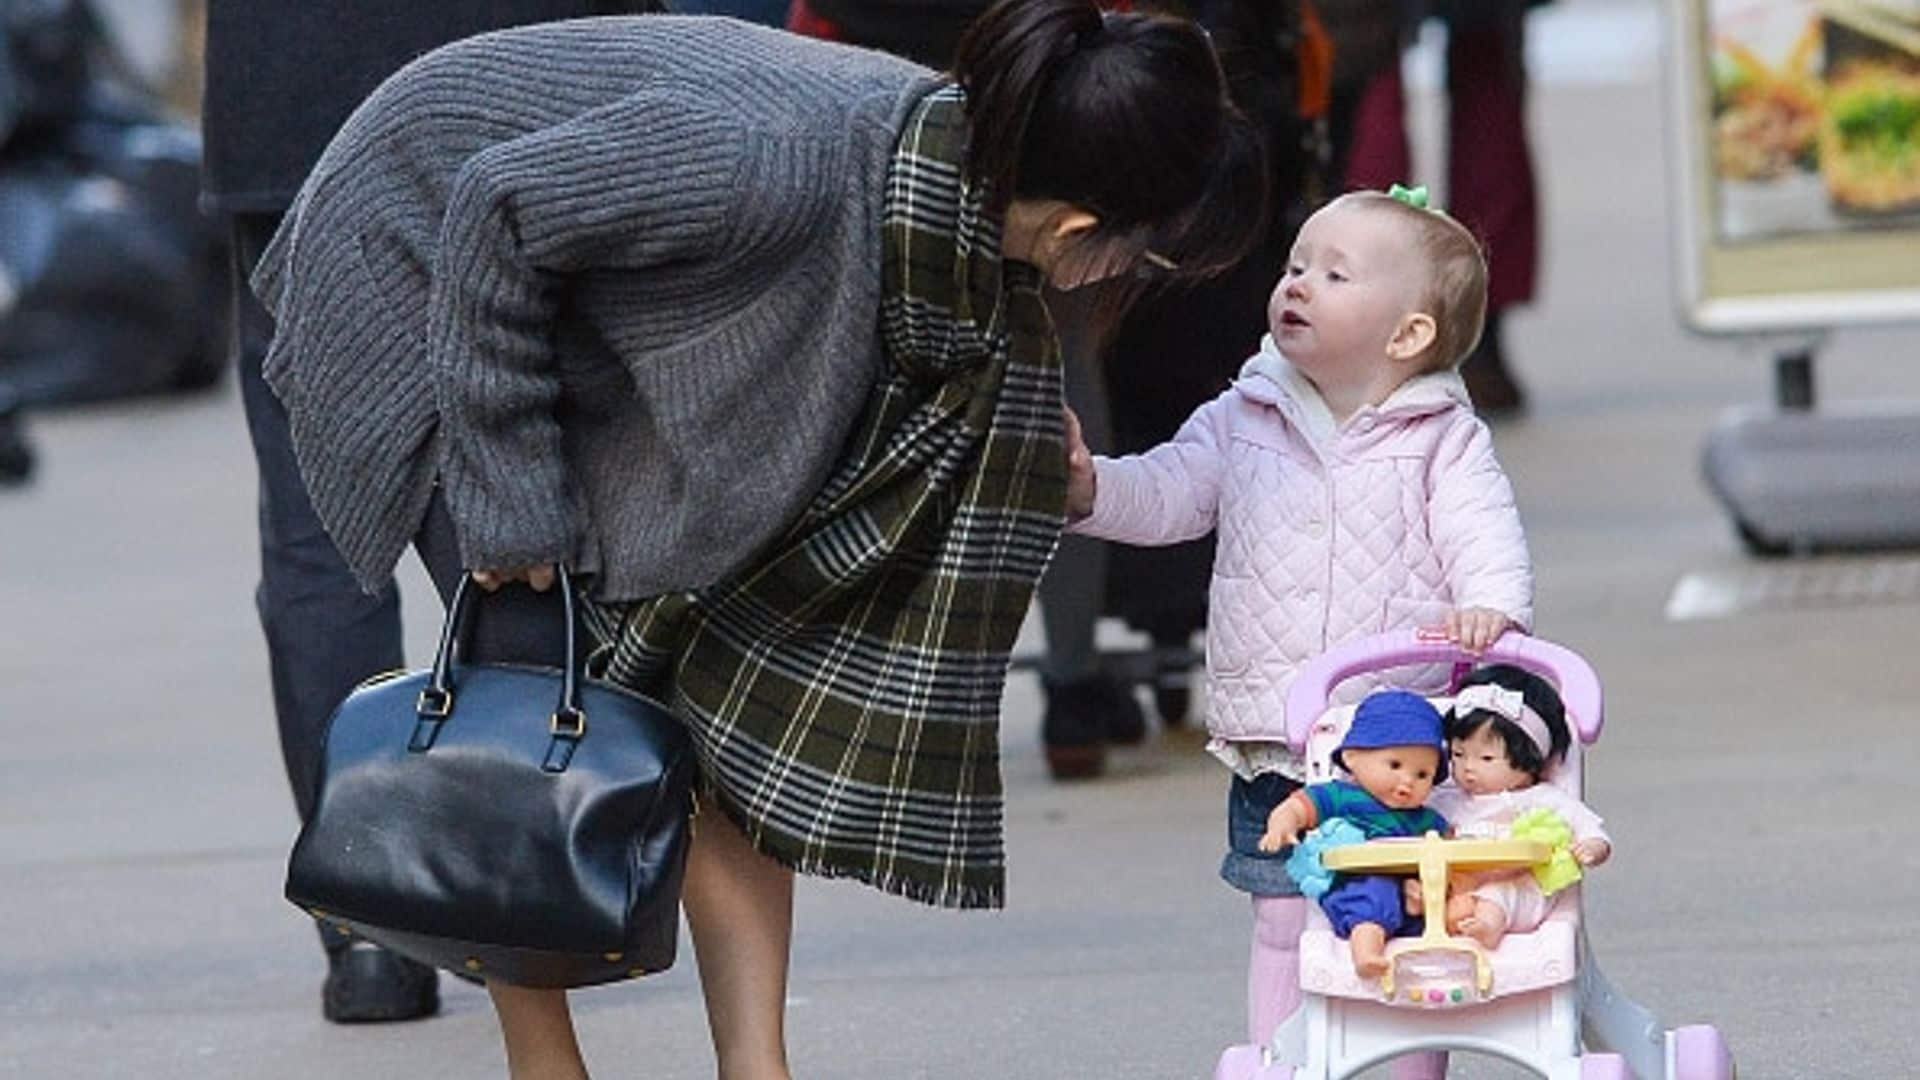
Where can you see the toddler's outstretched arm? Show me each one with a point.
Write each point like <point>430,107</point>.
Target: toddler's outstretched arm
<point>1165,495</point>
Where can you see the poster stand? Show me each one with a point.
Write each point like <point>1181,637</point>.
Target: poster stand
<point>1786,233</point>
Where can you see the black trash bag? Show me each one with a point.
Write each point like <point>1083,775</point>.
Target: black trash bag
<point>112,282</point>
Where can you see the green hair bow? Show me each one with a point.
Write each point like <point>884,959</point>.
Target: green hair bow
<point>1415,197</point>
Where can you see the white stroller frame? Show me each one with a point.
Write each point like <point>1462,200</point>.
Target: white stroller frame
<point>1545,1014</point>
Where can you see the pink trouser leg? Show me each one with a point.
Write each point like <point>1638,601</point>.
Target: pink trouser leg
<point>1273,972</point>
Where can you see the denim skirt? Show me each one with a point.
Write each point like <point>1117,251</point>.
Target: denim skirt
<point>1246,867</point>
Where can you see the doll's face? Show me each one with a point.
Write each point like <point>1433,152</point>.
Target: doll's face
<point>1480,766</point>
<point>1399,776</point>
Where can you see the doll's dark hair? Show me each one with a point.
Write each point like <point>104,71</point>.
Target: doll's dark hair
<point>1124,114</point>
<point>1539,695</point>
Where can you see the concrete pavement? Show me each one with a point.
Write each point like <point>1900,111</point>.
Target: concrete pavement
<point>1757,771</point>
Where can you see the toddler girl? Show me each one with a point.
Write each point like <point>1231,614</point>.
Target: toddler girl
<point>1506,729</point>
<point>1353,491</point>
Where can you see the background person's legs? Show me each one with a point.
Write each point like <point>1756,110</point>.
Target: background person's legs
<point>1086,708</point>
<point>324,636</point>
<point>1490,177</point>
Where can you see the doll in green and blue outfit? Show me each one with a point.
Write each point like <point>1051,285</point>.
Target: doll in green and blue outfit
<point>1395,754</point>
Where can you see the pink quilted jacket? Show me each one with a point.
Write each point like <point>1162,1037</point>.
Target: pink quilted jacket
<point>1325,534</point>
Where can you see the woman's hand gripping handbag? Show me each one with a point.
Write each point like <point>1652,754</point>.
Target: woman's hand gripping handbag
<point>504,821</point>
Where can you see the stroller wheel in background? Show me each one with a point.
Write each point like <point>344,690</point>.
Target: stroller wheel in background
<point>1174,662</point>
<point>1125,720</point>
<point>16,456</point>
<point>1173,702</point>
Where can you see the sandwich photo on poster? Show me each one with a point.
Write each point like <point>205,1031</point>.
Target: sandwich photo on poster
<point>1800,148</point>
<point>1816,115</point>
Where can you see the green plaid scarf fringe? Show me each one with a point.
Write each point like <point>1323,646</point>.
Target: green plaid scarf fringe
<point>844,691</point>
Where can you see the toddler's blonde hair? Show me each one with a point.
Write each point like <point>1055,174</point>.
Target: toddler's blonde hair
<point>1456,291</point>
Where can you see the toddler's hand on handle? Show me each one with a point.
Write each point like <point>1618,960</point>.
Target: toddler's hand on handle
<point>1080,480</point>
<point>1475,628</point>
<point>540,577</point>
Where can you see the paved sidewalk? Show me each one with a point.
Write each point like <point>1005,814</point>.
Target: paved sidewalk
<point>1757,772</point>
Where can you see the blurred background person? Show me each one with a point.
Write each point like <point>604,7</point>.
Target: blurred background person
<point>108,272</point>
<point>1489,162</point>
<point>281,76</point>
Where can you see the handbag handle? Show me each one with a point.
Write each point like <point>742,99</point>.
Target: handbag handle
<point>568,722</point>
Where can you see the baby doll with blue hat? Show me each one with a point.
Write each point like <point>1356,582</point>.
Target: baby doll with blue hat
<point>1395,753</point>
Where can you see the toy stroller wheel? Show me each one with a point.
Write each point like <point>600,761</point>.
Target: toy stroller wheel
<point>1238,1063</point>
<point>1699,1053</point>
<point>1604,1067</point>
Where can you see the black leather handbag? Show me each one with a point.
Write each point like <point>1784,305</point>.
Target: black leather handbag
<point>504,821</point>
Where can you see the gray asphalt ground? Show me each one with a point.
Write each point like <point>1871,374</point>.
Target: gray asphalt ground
<point>1758,771</point>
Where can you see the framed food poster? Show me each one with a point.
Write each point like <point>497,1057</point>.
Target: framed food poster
<point>1798,154</point>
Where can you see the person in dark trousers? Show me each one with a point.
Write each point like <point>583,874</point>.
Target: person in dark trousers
<point>1121,381</point>
<point>281,77</point>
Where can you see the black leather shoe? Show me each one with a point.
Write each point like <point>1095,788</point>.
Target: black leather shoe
<point>1124,720</point>
<point>1073,729</point>
<point>366,984</point>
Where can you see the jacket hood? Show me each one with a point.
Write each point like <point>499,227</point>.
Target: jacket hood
<point>1270,378</point>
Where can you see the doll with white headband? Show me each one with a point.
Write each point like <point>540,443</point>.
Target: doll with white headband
<point>1507,729</point>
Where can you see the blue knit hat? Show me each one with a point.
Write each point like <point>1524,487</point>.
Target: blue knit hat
<point>1395,718</point>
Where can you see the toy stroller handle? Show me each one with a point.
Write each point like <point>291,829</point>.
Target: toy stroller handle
<point>1313,687</point>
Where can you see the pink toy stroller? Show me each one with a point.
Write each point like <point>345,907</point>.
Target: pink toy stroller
<point>1539,1000</point>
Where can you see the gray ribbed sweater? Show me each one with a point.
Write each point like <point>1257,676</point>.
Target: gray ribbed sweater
<point>614,281</point>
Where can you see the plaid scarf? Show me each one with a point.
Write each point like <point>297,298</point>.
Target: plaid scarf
<point>844,691</point>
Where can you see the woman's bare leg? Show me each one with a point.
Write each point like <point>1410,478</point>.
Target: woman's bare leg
<point>740,907</point>
<point>538,1032</point>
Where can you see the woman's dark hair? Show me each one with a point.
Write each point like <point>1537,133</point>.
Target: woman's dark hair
<point>1539,695</point>
<point>1123,114</point>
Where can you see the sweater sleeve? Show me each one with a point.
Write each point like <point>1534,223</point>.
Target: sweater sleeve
<point>1170,493</point>
<point>1475,525</point>
<point>642,182</point>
